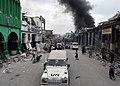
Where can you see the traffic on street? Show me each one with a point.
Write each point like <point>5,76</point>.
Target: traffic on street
<point>83,72</point>
<point>59,43</point>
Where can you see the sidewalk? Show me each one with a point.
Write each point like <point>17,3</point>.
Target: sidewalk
<point>13,60</point>
<point>104,64</point>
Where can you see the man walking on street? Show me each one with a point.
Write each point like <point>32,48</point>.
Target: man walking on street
<point>76,55</point>
<point>90,53</point>
<point>111,56</point>
<point>83,50</point>
<point>112,70</point>
<point>33,56</point>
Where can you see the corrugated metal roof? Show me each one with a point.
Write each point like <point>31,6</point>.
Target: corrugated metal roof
<point>57,54</point>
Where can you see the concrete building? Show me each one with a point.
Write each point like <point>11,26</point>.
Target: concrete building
<point>111,33</point>
<point>48,35</point>
<point>32,30</point>
<point>10,27</point>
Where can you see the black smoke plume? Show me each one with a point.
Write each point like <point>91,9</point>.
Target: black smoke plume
<point>80,12</point>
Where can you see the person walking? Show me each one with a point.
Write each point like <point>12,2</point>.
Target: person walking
<point>111,56</point>
<point>83,50</point>
<point>76,56</point>
<point>112,70</point>
<point>90,53</point>
<point>33,56</point>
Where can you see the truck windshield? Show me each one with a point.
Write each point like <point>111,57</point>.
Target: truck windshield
<point>51,62</point>
<point>60,63</point>
<point>56,62</point>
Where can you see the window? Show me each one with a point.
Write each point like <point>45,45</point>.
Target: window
<point>51,62</point>
<point>0,5</point>
<point>11,7</point>
<point>4,5</point>
<point>17,9</point>
<point>60,63</point>
<point>8,7</point>
<point>56,62</point>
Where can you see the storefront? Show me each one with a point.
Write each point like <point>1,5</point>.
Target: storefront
<point>107,38</point>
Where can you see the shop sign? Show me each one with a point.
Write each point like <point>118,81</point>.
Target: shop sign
<point>107,31</point>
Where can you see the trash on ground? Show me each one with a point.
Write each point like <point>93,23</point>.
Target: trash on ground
<point>6,71</point>
<point>17,75</point>
<point>77,77</point>
<point>11,78</point>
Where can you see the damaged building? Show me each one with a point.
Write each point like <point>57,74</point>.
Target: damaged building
<point>111,33</point>
<point>105,35</point>
<point>32,30</point>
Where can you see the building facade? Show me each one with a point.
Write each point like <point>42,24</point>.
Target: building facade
<point>111,33</point>
<point>32,30</point>
<point>105,35</point>
<point>10,27</point>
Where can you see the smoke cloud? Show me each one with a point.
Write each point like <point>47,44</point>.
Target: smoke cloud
<point>80,12</point>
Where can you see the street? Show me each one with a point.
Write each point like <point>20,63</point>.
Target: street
<point>83,72</point>
<point>89,72</point>
<point>88,31</point>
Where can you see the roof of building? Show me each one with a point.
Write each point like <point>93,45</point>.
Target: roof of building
<point>116,16</point>
<point>111,20</point>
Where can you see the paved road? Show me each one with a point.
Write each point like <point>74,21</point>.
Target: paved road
<point>83,72</point>
<point>89,72</point>
<point>23,74</point>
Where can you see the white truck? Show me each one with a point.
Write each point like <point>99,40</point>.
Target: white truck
<point>56,70</point>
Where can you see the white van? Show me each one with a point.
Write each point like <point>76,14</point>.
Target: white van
<point>56,70</point>
<point>75,46</point>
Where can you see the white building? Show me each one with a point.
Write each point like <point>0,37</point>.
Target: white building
<point>32,30</point>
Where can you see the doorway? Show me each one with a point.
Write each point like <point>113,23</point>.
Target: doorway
<point>1,43</point>
<point>12,42</point>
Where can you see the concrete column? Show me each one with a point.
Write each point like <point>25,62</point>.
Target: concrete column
<point>102,40</point>
<point>88,38</point>
<point>36,38</point>
<point>92,39</point>
<point>112,39</point>
<point>24,38</point>
<point>116,40</point>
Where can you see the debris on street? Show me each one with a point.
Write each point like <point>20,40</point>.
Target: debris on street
<point>17,75</point>
<point>7,71</point>
<point>77,77</point>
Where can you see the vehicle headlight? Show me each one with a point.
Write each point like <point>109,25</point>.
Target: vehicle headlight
<point>44,80</point>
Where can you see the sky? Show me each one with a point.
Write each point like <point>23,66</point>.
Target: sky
<point>61,22</point>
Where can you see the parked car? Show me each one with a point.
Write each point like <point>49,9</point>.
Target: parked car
<point>75,46</point>
<point>67,46</point>
<point>53,48</point>
<point>59,46</point>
